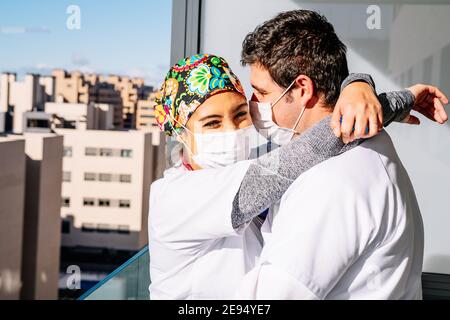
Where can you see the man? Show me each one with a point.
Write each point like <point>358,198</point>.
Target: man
<point>350,227</point>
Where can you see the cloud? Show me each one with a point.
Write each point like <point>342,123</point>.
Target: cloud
<point>80,61</point>
<point>22,30</point>
<point>42,66</point>
<point>153,76</point>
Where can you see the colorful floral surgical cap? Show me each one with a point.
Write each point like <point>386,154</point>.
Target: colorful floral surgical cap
<point>187,85</point>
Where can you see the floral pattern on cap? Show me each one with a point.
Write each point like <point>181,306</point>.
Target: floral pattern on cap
<point>187,85</point>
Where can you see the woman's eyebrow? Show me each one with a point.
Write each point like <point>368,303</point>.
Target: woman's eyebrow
<point>210,116</point>
<point>243,104</point>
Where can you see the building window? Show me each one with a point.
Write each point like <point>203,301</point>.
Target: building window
<point>106,152</point>
<point>67,177</point>
<point>67,152</point>
<point>90,152</point>
<point>65,226</point>
<point>37,123</point>
<point>104,203</point>
<point>88,202</point>
<point>88,227</point>
<point>65,202</point>
<point>125,153</point>
<point>90,176</point>
<point>69,125</point>
<point>105,177</point>
<point>123,229</point>
<point>125,178</point>
<point>104,228</point>
<point>124,203</point>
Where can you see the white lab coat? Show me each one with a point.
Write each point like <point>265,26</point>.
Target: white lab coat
<point>195,253</point>
<point>349,228</point>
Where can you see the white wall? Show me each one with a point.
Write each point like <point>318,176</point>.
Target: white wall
<point>413,45</point>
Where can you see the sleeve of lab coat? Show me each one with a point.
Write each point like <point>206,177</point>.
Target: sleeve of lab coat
<point>196,206</point>
<point>322,227</point>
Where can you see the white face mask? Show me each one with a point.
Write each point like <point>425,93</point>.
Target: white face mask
<point>262,116</point>
<point>220,149</point>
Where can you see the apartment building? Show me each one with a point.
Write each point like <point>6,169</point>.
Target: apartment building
<point>127,96</point>
<point>42,220</point>
<point>145,115</point>
<point>30,223</point>
<point>82,116</point>
<point>133,92</point>
<point>12,196</point>
<point>78,88</point>
<point>17,97</point>
<point>124,93</point>
<point>106,181</point>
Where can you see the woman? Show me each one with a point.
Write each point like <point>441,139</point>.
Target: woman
<point>203,234</point>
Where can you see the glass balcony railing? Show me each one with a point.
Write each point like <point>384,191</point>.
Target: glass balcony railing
<point>131,281</point>
<point>128,282</point>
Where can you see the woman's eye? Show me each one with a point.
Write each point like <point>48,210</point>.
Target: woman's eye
<point>241,114</point>
<point>212,124</point>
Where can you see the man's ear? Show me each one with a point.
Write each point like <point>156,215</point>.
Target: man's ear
<point>304,88</point>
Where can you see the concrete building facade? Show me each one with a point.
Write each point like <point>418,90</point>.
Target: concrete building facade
<point>17,97</point>
<point>145,115</point>
<point>12,200</point>
<point>106,181</point>
<point>92,116</point>
<point>42,221</point>
<point>30,223</point>
<point>124,93</point>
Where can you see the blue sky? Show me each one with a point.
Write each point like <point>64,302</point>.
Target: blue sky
<point>128,37</point>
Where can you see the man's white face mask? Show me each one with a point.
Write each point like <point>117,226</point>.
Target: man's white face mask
<point>262,116</point>
<point>220,149</point>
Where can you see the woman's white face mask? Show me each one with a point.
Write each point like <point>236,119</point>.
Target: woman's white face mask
<point>262,116</point>
<point>220,149</point>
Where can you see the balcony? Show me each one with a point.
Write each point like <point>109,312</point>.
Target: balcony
<point>131,281</point>
<point>128,282</point>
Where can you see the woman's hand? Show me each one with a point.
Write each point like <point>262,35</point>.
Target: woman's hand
<point>360,111</point>
<point>428,101</point>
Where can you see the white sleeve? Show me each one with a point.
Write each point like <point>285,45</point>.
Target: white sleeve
<point>267,282</point>
<point>196,206</point>
<point>322,227</point>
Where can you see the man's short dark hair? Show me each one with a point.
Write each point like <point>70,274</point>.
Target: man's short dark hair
<point>299,42</point>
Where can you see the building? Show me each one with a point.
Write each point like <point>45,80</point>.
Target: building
<point>124,93</point>
<point>30,223</point>
<point>92,116</point>
<point>77,88</point>
<point>145,115</point>
<point>12,196</point>
<point>133,92</point>
<point>38,122</point>
<point>95,199</point>
<point>42,221</point>
<point>17,97</point>
<point>106,181</point>
<point>126,96</point>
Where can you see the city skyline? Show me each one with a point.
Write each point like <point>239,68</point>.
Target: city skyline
<point>120,38</point>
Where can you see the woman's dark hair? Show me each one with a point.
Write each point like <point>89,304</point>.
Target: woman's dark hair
<point>299,42</point>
